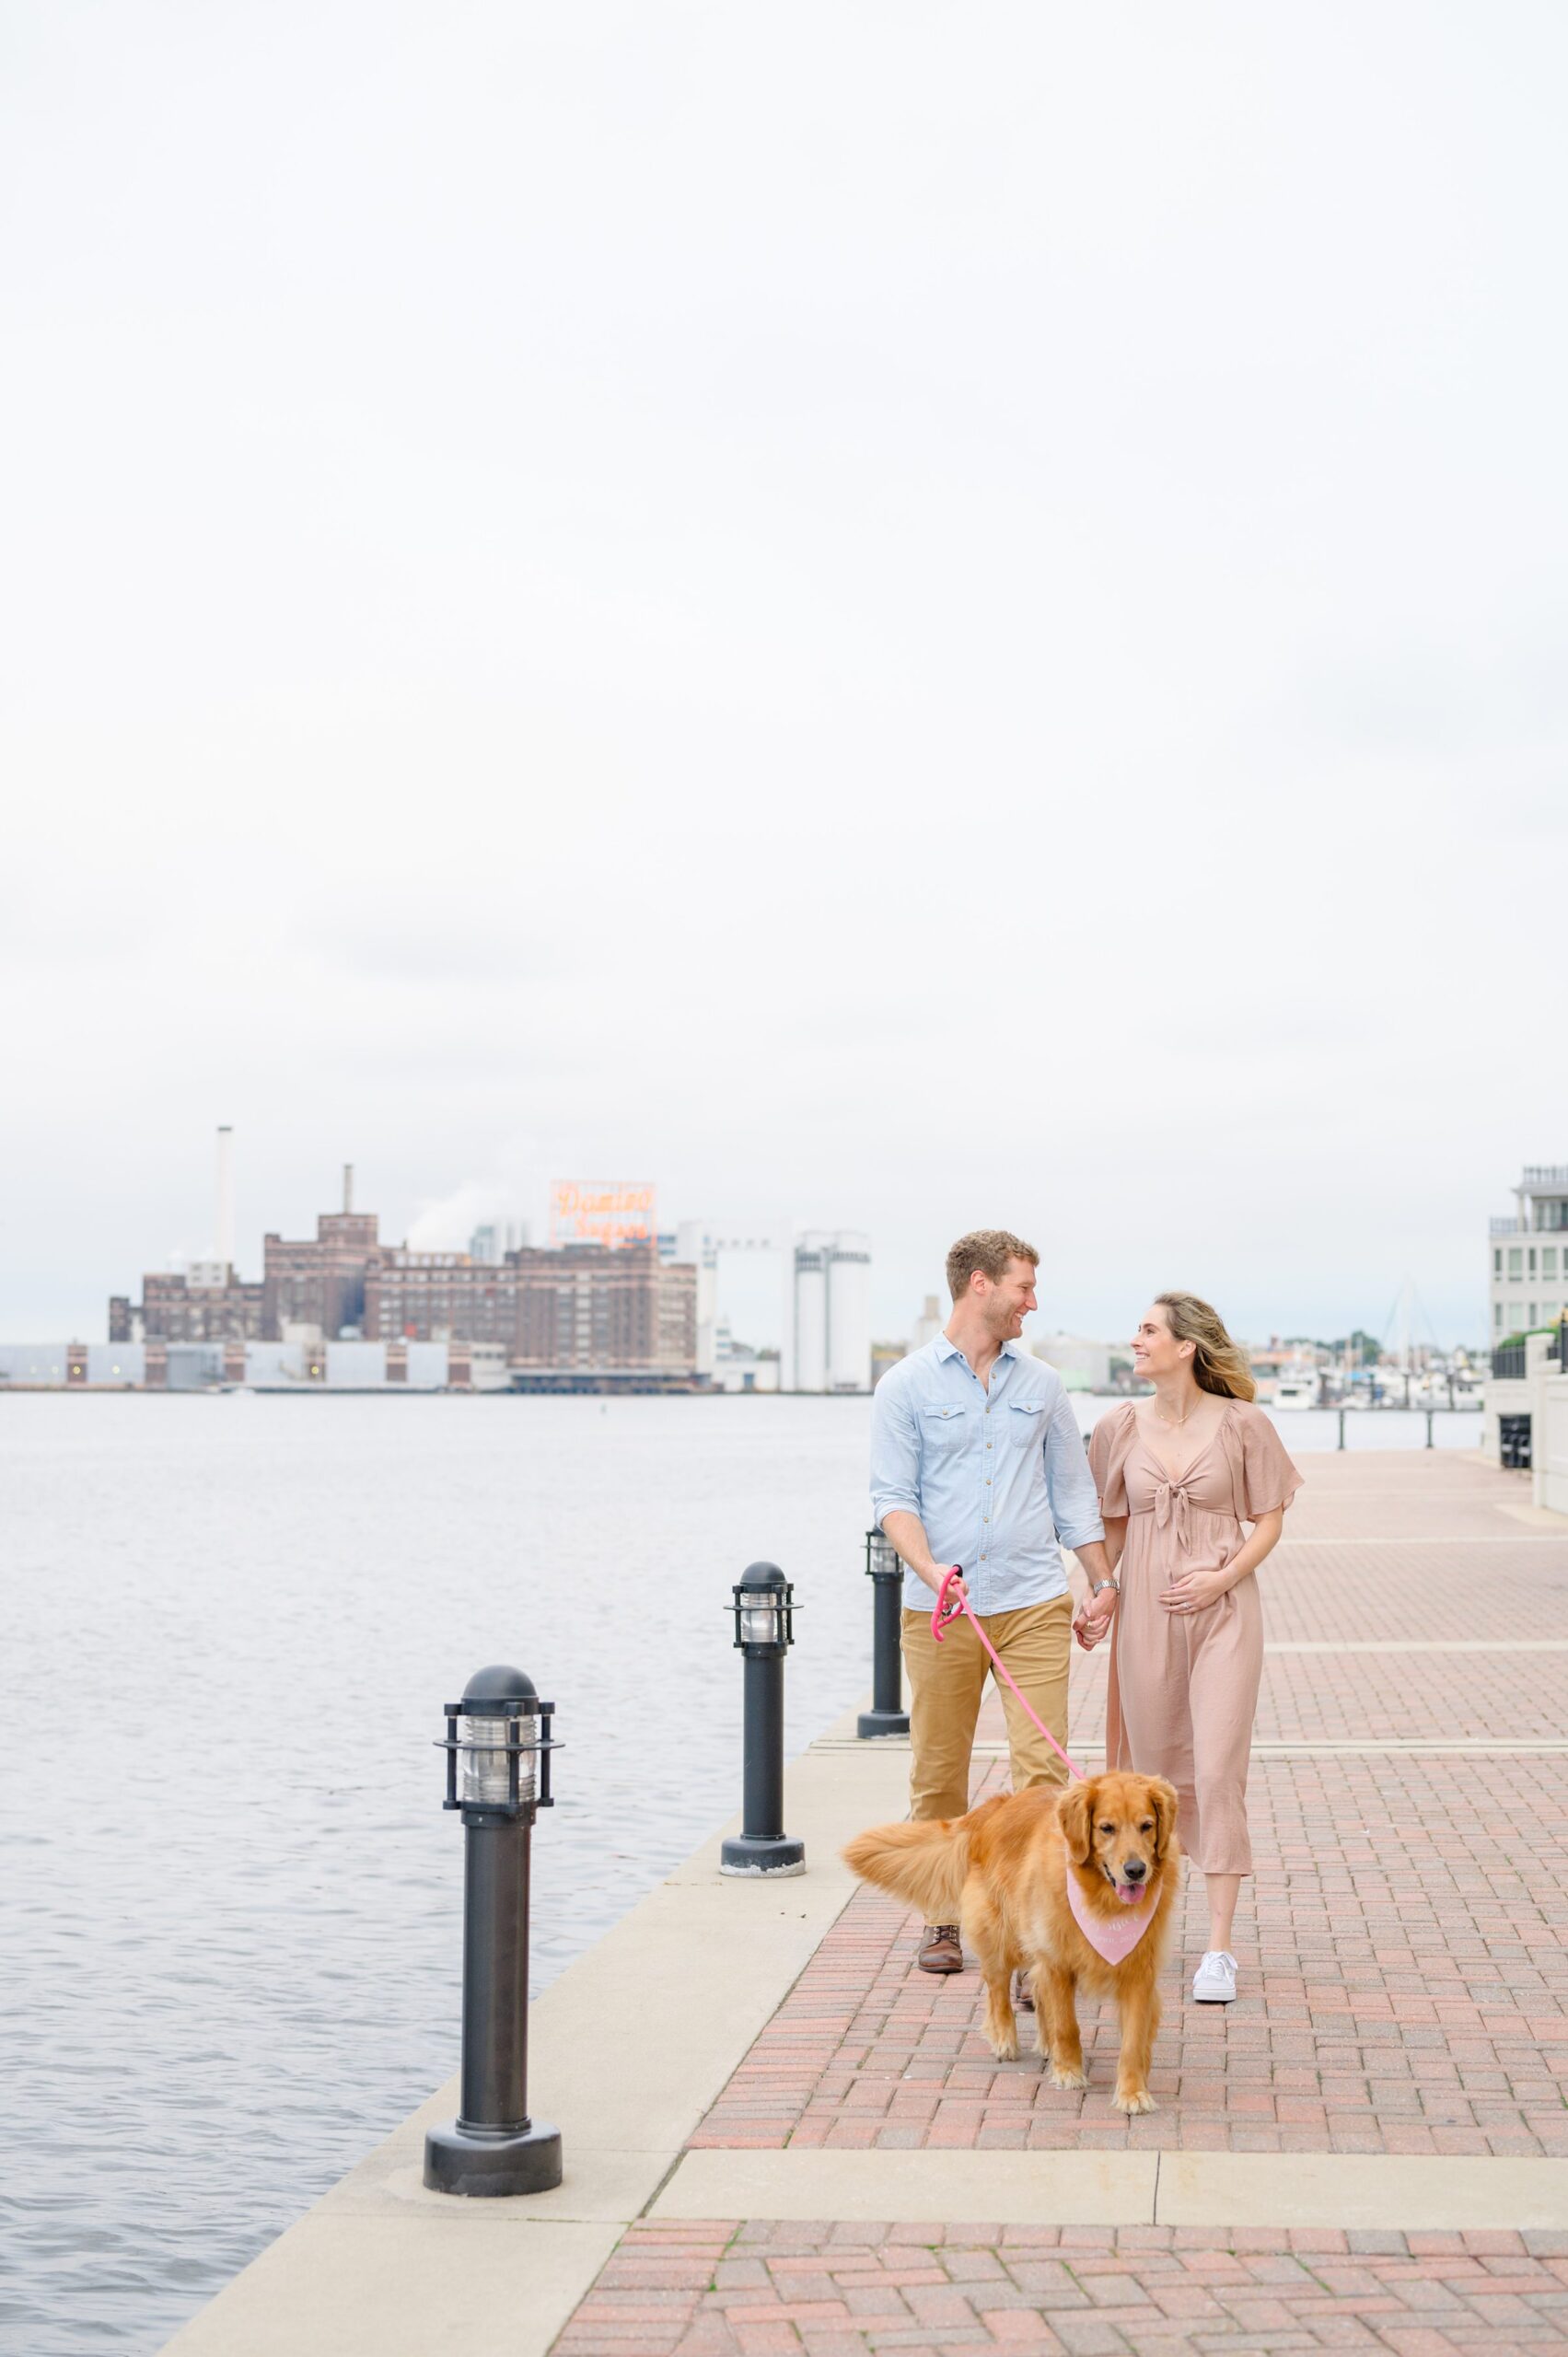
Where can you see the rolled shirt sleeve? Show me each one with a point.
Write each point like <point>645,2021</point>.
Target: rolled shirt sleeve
<point>1075,1505</point>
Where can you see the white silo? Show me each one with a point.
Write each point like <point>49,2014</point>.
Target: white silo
<point>812,1313</point>
<point>849,1312</point>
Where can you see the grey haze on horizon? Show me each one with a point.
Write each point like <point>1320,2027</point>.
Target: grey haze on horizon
<point>896,616</point>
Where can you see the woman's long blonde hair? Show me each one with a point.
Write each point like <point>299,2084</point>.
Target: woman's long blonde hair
<point>1218,1363</point>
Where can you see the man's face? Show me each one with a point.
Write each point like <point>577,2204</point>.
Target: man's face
<point>1008,1300</point>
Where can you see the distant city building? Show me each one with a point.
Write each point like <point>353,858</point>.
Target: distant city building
<point>612,1304</point>
<point>318,1287</point>
<point>1527,1280</point>
<point>574,1318</point>
<point>832,1311</point>
<point>929,1323</point>
<point>202,1304</point>
<point>738,1367</point>
<point>496,1238</point>
<point>825,1284</point>
<point>883,1356</point>
<point>586,1309</point>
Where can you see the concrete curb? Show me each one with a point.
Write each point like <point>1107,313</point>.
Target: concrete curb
<point>1089,2188</point>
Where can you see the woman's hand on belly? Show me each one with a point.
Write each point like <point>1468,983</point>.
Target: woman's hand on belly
<point>1196,1589</point>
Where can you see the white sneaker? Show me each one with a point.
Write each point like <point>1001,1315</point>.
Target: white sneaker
<point>1213,1983</point>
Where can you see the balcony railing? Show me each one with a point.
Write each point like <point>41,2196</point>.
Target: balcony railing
<point>1508,1226</point>
<point>1545,1177</point>
<point>1508,1360</point>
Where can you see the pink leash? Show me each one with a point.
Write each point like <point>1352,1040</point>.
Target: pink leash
<point>963,1605</point>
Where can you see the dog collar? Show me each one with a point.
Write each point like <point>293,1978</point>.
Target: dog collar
<point>1114,1937</point>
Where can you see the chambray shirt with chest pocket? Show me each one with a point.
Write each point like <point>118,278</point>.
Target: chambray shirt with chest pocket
<point>997,1476</point>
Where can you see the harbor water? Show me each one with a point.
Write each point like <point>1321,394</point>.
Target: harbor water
<point>230,1935</point>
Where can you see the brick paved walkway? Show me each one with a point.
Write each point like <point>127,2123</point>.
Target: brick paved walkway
<point>721,2290</point>
<point>1404,1992</point>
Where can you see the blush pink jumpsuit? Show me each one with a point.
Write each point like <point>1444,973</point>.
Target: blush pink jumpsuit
<point>1183,1688</point>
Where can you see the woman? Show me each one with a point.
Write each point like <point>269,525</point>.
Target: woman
<point>1178,1477</point>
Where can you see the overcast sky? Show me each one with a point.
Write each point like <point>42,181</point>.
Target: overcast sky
<point>891,616</point>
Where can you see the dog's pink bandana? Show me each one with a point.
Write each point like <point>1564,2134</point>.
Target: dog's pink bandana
<point>1112,1936</point>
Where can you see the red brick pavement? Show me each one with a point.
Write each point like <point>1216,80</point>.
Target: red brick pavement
<point>723,2290</point>
<point>1405,1990</point>
<point>1404,1978</point>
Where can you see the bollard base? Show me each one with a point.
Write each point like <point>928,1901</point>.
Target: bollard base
<point>753,1853</point>
<point>875,1722</point>
<point>457,2161</point>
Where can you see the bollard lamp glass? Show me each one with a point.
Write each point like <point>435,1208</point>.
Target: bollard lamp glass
<point>498,1746</point>
<point>764,1610</point>
<point>882,1556</point>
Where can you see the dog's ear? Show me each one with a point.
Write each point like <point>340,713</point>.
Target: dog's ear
<point>1166,1806</point>
<point>1076,1811</point>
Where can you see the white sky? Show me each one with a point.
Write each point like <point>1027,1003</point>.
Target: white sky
<point>889,615</point>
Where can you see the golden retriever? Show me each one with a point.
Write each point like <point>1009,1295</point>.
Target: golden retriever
<point>1002,1873</point>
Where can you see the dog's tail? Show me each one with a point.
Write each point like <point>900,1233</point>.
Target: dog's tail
<point>925,1863</point>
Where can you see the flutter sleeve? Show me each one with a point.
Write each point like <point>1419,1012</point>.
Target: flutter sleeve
<point>1269,1480</point>
<point>1109,1445</point>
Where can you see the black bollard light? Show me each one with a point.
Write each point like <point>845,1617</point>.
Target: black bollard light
<point>498,1746</point>
<point>764,1631</point>
<point>886,1714</point>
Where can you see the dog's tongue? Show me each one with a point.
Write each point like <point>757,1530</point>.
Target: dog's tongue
<point>1129,1893</point>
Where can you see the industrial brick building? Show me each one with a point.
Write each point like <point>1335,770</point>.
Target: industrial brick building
<point>584,1317</point>
<point>585,1311</point>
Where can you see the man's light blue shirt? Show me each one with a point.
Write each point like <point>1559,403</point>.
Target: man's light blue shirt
<point>996,1477</point>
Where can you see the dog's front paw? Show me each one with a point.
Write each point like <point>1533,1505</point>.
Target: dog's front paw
<point>1134,2099</point>
<point>1003,2044</point>
<point>1068,2074</point>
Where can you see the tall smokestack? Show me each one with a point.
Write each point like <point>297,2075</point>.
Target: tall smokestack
<point>348,1186</point>
<point>226,1196</point>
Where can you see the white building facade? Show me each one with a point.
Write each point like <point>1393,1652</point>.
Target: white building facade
<point>1527,1271</point>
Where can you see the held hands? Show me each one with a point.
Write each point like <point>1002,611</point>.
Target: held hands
<point>1093,1618</point>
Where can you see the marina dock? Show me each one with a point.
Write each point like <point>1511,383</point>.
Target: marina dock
<point>781,2137</point>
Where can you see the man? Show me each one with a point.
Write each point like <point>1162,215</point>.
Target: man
<point>976,1458</point>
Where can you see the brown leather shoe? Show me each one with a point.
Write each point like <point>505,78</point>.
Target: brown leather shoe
<point>1023,1992</point>
<point>941,1950</point>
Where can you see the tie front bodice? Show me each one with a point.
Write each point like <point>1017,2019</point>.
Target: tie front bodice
<point>1173,1509</point>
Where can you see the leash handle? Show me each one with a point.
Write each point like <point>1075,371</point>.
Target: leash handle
<point>961,1604</point>
<point>941,1612</point>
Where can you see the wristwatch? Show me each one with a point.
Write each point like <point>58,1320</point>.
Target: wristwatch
<point>1113,1583</point>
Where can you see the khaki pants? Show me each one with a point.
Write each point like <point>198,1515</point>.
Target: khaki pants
<point>946,1682</point>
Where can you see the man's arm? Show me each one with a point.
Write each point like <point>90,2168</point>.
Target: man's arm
<point>1075,1509</point>
<point>895,1484</point>
<point>908,1534</point>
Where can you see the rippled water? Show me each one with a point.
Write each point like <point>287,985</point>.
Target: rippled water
<point>230,1935</point>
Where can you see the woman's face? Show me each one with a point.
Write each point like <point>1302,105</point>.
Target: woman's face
<point>1156,1350</point>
